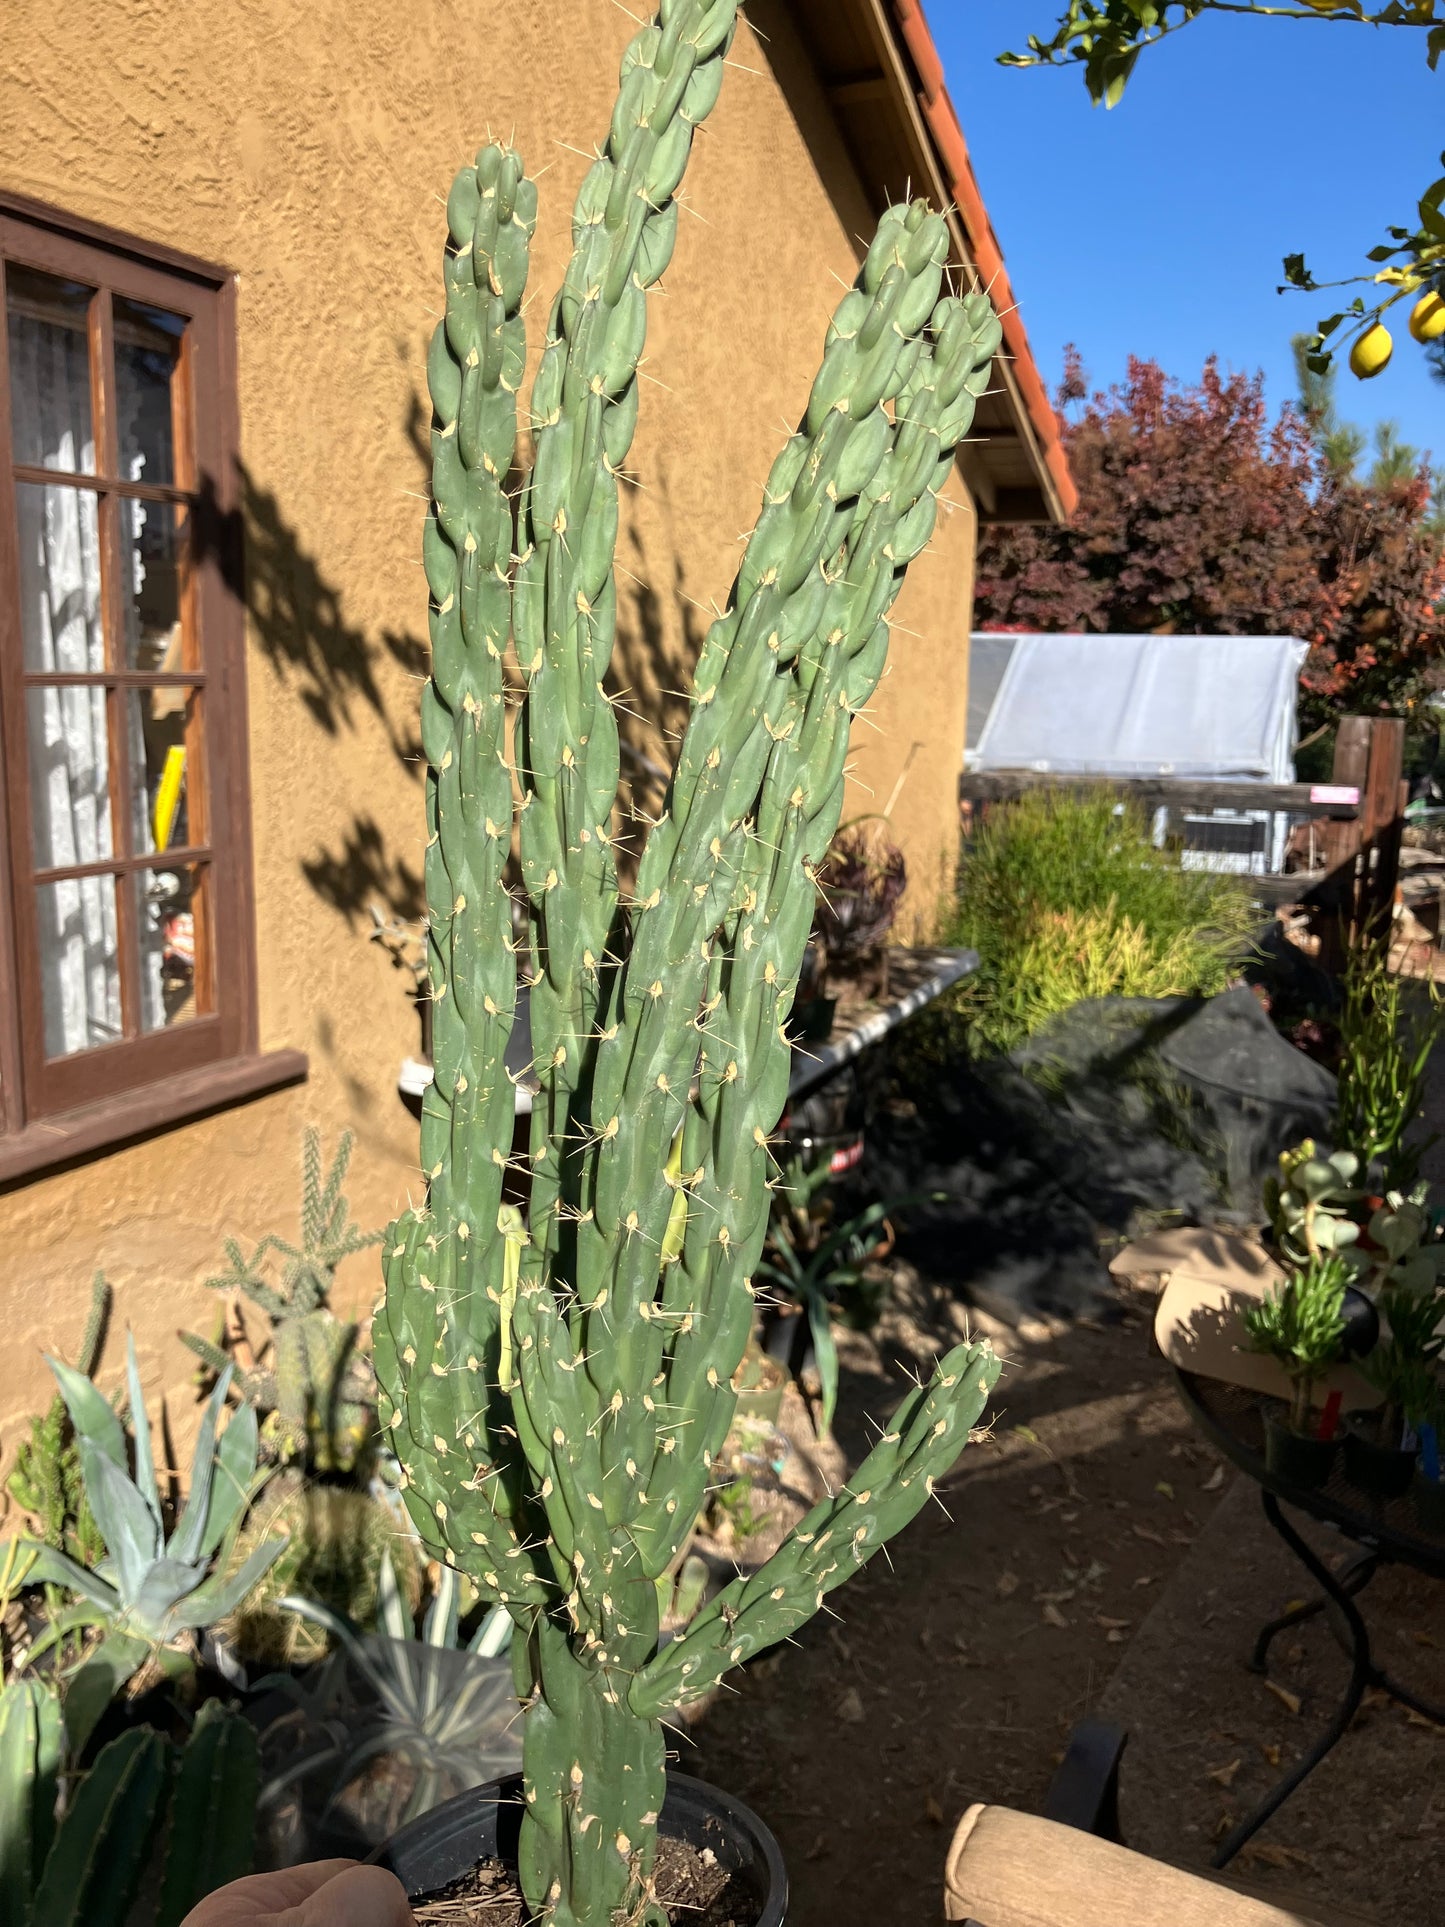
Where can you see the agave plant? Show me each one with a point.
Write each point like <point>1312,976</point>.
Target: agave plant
<point>151,1588</point>
<point>434,1703</point>
<point>814,1261</point>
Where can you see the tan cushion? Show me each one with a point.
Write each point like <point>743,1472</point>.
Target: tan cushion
<point>1197,1323</point>
<point>1009,1869</point>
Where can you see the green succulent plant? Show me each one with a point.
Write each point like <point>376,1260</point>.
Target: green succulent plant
<point>1309,1202</point>
<point>428,1705</point>
<point>1301,1326</point>
<point>557,1391</point>
<point>142,1805</point>
<point>317,1394</point>
<point>814,1261</point>
<point>1405,1254</point>
<point>152,1586</point>
<point>46,1481</point>
<point>1403,1366</point>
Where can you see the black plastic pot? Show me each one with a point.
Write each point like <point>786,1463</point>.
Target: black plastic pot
<point>1359,1323</point>
<point>1382,1469</point>
<point>483,1824</point>
<point>1297,1460</point>
<point>813,1019</point>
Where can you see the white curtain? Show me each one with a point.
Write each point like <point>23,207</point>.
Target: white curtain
<point>66,727</point>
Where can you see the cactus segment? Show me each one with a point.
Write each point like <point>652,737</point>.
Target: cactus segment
<point>104,1843</point>
<point>31,1745</point>
<point>584,410</point>
<point>838,1536</point>
<point>556,1380</point>
<point>213,1811</point>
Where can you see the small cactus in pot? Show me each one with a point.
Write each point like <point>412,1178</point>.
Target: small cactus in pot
<point>557,1380</point>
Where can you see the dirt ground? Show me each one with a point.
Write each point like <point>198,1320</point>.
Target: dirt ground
<point>958,1664</point>
<point>956,1668</point>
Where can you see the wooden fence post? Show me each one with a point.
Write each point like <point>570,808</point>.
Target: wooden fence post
<point>1384,821</point>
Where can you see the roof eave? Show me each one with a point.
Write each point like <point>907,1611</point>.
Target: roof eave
<point>884,79</point>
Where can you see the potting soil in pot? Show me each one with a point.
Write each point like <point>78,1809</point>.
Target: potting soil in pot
<point>692,1887</point>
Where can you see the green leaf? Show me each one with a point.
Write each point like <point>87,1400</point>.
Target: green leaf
<point>235,1483</point>
<point>1296,273</point>
<point>825,1352</point>
<point>50,1567</point>
<point>440,1628</point>
<point>390,1608</point>
<point>90,1414</point>
<point>217,1597</point>
<point>93,1685</point>
<point>190,1532</point>
<point>132,1535</point>
<point>145,1469</point>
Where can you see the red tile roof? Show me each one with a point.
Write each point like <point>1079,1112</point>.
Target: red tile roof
<point>942,123</point>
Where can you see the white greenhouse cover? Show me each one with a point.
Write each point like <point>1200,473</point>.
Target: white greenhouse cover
<point>1220,707</point>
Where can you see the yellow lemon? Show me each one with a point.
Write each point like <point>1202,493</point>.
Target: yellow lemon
<point>1371,352</point>
<point>1427,317</point>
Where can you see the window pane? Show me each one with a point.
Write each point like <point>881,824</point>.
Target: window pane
<point>69,775</point>
<point>163,729</point>
<point>154,536</point>
<point>169,906</point>
<point>79,964</point>
<point>60,622</point>
<point>49,371</point>
<point>147,351</point>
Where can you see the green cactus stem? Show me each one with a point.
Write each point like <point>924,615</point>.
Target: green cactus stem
<point>557,1380</point>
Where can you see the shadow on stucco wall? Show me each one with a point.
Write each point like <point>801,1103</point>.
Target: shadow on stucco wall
<point>335,668</point>
<point>298,622</point>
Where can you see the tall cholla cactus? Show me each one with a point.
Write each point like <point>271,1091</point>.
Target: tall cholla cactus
<point>558,1383</point>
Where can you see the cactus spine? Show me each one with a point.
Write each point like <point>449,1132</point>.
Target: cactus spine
<point>558,1386</point>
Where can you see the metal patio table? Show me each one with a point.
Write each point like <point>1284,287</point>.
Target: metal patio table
<point>1383,1531</point>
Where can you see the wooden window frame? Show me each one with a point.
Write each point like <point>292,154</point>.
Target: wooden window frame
<point>55,1110</point>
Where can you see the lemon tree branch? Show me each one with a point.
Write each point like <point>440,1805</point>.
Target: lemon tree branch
<point>1106,38</point>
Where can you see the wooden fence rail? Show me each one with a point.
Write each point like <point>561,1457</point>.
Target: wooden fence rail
<point>1361,812</point>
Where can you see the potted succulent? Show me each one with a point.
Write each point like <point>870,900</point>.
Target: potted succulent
<point>1300,1326</point>
<point>557,1391</point>
<point>861,882</point>
<point>1427,1414</point>
<point>1380,1446</point>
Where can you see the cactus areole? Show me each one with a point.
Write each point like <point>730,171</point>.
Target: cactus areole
<point>558,1381</point>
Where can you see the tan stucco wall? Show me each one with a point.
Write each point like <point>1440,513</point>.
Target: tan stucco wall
<point>307,149</point>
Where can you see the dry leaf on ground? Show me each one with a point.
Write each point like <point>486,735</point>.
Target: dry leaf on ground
<point>1291,1702</point>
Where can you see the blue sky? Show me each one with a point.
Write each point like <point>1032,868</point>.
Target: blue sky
<point>1158,228</point>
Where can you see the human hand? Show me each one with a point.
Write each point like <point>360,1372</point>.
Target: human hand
<point>328,1893</point>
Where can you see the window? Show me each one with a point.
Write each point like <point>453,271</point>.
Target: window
<point>125,918</point>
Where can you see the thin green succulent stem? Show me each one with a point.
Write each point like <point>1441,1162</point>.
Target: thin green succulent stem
<point>594,1775</point>
<point>836,1538</point>
<point>584,411</point>
<point>437,1343</point>
<point>658,1022</point>
<point>742,1082</point>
